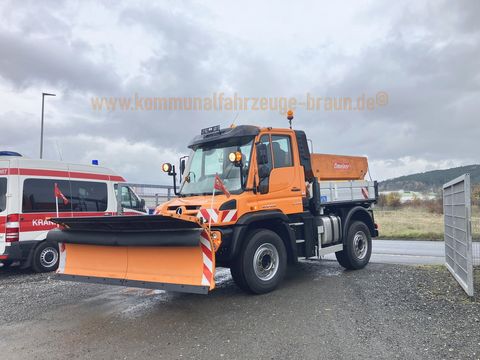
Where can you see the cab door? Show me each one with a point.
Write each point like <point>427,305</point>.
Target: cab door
<point>283,189</point>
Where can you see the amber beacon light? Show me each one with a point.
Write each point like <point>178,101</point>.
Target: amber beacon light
<point>290,117</point>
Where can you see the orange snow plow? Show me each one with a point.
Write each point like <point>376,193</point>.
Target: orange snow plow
<point>170,252</point>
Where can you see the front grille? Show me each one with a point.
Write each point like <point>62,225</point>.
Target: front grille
<point>188,207</point>
<point>186,210</point>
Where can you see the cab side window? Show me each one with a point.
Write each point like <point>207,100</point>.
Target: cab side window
<point>282,151</point>
<point>129,200</point>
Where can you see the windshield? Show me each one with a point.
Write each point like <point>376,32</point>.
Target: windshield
<point>210,159</point>
<point>3,194</point>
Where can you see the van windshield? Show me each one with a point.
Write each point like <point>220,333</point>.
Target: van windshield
<point>3,194</point>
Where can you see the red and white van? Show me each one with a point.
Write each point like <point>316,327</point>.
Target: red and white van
<point>27,200</point>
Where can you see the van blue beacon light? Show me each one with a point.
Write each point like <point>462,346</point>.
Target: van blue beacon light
<point>94,162</point>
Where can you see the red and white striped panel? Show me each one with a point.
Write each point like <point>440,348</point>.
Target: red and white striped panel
<point>229,215</point>
<point>207,277</point>
<point>365,192</point>
<point>217,216</point>
<point>208,214</point>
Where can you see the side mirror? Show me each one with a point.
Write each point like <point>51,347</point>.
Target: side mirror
<point>142,204</point>
<point>183,165</point>
<point>263,172</point>
<point>262,154</point>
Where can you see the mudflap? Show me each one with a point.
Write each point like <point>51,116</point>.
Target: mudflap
<point>186,268</point>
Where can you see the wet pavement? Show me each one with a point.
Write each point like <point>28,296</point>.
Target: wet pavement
<point>413,252</point>
<point>320,311</point>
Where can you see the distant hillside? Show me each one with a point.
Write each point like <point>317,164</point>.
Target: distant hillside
<point>430,180</point>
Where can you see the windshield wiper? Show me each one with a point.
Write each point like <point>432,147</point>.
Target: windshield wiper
<point>194,194</point>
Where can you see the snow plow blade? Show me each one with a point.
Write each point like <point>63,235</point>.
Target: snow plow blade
<point>158,252</point>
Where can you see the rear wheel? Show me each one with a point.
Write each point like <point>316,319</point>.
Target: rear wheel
<point>357,247</point>
<point>261,265</point>
<point>45,257</point>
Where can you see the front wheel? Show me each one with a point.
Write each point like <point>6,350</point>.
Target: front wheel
<point>357,247</point>
<point>262,263</point>
<point>45,257</point>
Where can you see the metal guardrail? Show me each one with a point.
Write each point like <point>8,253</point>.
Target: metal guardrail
<point>154,197</point>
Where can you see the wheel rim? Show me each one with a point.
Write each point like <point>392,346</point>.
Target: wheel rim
<point>265,262</point>
<point>360,245</point>
<point>48,257</point>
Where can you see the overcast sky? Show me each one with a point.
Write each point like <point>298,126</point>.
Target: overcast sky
<point>424,54</point>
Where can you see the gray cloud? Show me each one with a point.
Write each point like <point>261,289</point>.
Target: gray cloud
<point>30,61</point>
<point>433,85</point>
<point>425,58</point>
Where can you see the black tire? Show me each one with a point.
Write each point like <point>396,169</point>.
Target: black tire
<point>357,247</point>
<point>237,276</point>
<point>45,257</point>
<point>271,256</point>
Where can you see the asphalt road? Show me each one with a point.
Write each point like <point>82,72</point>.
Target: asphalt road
<point>413,252</point>
<point>319,312</point>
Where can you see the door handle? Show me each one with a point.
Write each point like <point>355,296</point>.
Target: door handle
<point>296,189</point>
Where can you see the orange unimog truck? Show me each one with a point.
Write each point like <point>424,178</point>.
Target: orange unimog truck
<point>282,204</point>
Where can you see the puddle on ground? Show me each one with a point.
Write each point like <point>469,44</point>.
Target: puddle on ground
<point>126,302</point>
<point>135,302</point>
<point>328,272</point>
<point>223,278</point>
<point>319,269</point>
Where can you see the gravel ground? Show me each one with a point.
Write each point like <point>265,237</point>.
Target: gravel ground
<point>320,311</point>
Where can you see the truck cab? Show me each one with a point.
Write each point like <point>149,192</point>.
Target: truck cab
<point>277,183</point>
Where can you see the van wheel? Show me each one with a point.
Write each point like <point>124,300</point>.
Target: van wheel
<point>357,247</point>
<point>45,257</point>
<point>262,263</point>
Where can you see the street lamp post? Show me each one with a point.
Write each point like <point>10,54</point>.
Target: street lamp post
<point>41,131</point>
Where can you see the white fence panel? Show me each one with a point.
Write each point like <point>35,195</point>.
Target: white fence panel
<point>458,234</point>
